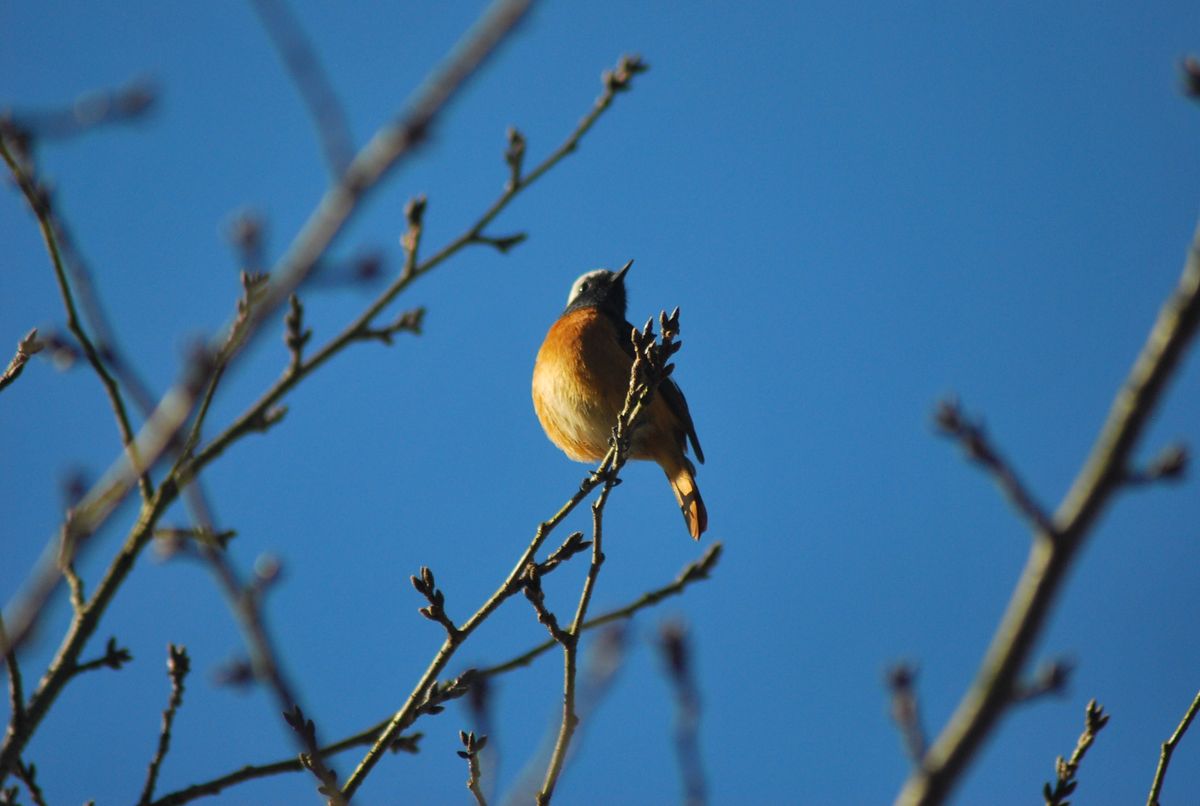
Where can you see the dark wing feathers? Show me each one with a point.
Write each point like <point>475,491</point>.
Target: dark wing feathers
<point>674,398</point>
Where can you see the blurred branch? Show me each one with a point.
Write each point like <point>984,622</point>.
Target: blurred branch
<point>676,651</point>
<point>122,105</point>
<point>1170,465</point>
<point>906,711</point>
<point>1094,721</point>
<point>974,440</point>
<point>1051,678</point>
<point>1189,69</point>
<point>245,600</point>
<point>691,573</point>
<point>1168,748</point>
<point>1052,553</point>
<point>27,347</point>
<point>178,666</point>
<point>309,76</point>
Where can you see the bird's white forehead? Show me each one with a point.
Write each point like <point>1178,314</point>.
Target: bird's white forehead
<point>577,286</point>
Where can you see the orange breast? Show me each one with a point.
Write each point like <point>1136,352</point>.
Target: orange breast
<point>579,383</point>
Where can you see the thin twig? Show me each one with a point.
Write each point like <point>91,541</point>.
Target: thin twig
<point>598,670</point>
<point>1101,476</point>
<point>38,199</point>
<point>408,743</point>
<point>473,745</point>
<point>533,592</point>
<point>974,440</point>
<point>309,76</point>
<point>1168,748</point>
<point>103,334</point>
<point>436,611</point>
<point>1065,770</point>
<point>114,657</point>
<point>178,666</point>
<point>569,639</point>
<point>27,347</point>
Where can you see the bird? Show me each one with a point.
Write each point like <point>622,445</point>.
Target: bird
<point>581,377</point>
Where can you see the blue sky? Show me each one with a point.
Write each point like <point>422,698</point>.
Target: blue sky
<point>859,208</point>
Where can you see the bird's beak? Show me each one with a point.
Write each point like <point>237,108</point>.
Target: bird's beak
<point>620,278</point>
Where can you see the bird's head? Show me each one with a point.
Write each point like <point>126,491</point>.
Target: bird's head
<point>601,288</point>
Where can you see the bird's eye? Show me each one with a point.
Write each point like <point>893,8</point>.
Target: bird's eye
<point>583,287</point>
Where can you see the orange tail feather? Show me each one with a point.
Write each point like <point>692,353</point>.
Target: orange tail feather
<point>683,483</point>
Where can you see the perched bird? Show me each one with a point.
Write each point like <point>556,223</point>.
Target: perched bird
<point>580,380</point>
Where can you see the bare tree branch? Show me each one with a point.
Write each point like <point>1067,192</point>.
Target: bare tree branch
<point>1052,554</point>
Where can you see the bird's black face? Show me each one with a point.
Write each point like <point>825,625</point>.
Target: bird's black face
<point>601,289</point>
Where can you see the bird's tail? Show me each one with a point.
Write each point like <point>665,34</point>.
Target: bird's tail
<point>683,483</point>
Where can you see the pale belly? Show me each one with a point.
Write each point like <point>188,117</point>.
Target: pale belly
<point>577,421</point>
